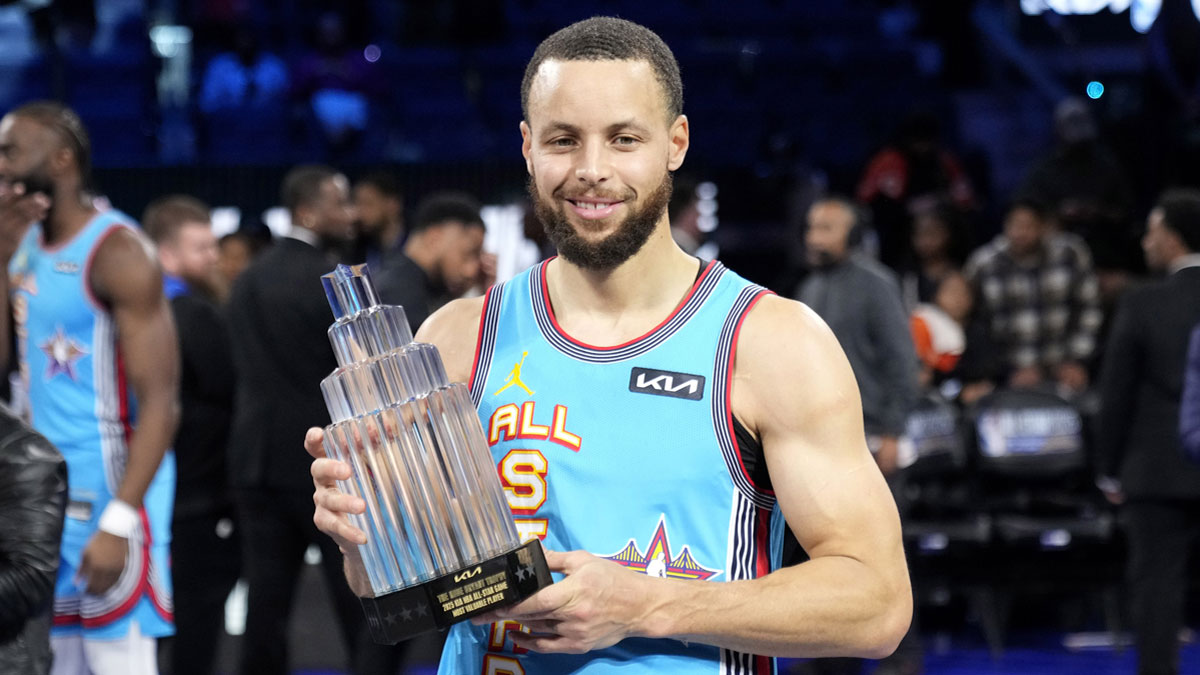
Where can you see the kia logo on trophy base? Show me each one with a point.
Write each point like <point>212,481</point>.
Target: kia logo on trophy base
<point>441,543</point>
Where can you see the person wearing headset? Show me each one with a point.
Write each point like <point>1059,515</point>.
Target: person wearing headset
<point>860,300</point>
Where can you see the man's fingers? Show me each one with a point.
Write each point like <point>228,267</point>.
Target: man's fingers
<point>541,605</point>
<point>338,502</point>
<point>546,643</point>
<point>565,561</point>
<point>312,442</point>
<point>327,472</point>
<point>338,527</point>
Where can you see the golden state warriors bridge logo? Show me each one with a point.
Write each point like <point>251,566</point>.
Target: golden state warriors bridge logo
<point>658,561</point>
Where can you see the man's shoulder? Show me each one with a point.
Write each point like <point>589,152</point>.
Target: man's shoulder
<point>194,305</point>
<point>989,254</point>
<point>400,269</point>
<point>776,319</point>
<point>875,273</point>
<point>1069,248</point>
<point>1149,293</point>
<point>454,330</point>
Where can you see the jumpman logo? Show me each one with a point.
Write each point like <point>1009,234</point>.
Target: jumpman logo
<point>515,378</point>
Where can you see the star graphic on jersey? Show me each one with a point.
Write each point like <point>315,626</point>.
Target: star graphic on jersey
<point>657,561</point>
<point>62,352</point>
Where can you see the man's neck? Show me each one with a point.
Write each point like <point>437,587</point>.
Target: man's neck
<point>613,306</point>
<point>418,251</point>
<point>389,236</point>
<point>67,217</point>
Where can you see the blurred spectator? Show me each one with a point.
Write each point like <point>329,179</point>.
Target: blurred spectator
<point>279,315</point>
<point>246,77</point>
<point>441,259</point>
<point>939,248</point>
<point>1140,460</point>
<point>335,80</point>
<point>380,207</point>
<point>63,24</point>
<point>916,165</point>
<point>938,328</point>
<point>205,555</point>
<point>1037,297</point>
<point>860,300</point>
<point>1189,407</point>
<point>1084,187</point>
<point>33,499</point>
<point>235,252</point>
<point>685,217</point>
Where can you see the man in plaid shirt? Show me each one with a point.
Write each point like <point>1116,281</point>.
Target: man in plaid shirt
<point>1037,295</point>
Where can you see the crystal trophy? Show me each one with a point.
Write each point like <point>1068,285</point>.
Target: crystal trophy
<point>441,544</point>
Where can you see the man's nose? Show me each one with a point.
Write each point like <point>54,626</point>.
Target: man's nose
<point>592,166</point>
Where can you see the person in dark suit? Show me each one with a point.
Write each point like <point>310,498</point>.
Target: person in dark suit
<point>278,317</point>
<point>205,554</point>
<point>1141,463</point>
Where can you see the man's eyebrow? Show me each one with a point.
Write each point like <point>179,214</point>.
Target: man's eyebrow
<point>630,124</point>
<point>560,126</point>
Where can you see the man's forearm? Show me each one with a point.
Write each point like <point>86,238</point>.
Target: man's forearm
<point>157,420</point>
<point>831,606</point>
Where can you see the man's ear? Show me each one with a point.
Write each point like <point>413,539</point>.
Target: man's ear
<point>167,259</point>
<point>527,145</point>
<point>61,160</point>
<point>679,142</point>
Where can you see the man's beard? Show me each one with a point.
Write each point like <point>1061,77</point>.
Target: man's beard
<point>820,259</point>
<point>610,252</point>
<point>36,180</point>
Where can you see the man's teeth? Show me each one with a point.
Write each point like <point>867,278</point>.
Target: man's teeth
<point>591,205</point>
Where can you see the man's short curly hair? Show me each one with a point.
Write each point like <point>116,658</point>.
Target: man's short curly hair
<point>605,38</point>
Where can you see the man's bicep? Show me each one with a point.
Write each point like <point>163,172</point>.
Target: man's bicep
<point>131,284</point>
<point>829,488</point>
<point>794,382</point>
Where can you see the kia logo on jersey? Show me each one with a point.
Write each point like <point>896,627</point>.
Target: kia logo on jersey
<point>666,383</point>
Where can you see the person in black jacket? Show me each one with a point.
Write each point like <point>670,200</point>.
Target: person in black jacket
<point>33,500</point>
<point>1141,462</point>
<point>441,259</point>
<point>278,317</point>
<point>205,555</point>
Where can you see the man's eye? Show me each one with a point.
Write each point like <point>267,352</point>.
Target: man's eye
<point>625,140</point>
<point>562,142</point>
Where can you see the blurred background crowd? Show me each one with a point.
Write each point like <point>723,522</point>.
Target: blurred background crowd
<point>986,200</point>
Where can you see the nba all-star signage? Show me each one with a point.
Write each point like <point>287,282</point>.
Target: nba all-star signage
<point>441,543</point>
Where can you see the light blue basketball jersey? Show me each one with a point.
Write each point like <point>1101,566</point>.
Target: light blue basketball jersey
<point>79,399</point>
<point>626,452</point>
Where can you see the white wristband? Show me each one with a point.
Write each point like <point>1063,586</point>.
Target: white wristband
<point>120,519</point>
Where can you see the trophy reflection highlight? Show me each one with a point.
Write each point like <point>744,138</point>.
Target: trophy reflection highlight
<point>441,544</point>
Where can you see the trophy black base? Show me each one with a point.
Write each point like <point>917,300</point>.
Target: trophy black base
<point>458,596</point>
